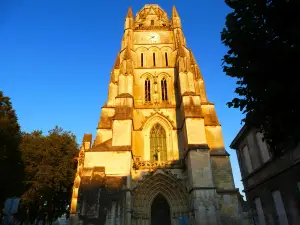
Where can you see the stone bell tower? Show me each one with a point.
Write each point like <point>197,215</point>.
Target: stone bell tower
<point>158,156</point>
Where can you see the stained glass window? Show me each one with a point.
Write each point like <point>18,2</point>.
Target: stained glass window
<point>158,144</point>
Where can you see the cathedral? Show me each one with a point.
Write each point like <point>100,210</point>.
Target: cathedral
<point>158,157</point>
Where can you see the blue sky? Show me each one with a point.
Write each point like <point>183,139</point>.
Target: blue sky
<point>56,57</point>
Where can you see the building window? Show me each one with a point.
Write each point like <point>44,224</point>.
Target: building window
<point>158,143</point>
<point>154,62</point>
<point>279,206</point>
<point>142,59</point>
<point>166,58</point>
<point>164,91</point>
<point>152,22</point>
<point>260,212</point>
<point>247,159</point>
<point>147,90</point>
<point>264,151</point>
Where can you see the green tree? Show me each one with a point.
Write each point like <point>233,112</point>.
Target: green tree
<point>11,166</point>
<point>49,172</point>
<point>263,38</point>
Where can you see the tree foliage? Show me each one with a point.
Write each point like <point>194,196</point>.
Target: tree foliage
<point>49,173</point>
<point>11,167</point>
<point>263,38</point>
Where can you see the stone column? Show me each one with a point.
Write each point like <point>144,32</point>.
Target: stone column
<point>175,219</point>
<point>108,217</point>
<point>146,221</point>
<point>191,218</point>
<point>83,206</point>
<point>137,220</point>
<point>73,220</point>
<point>113,212</point>
<point>211,211</point>
<point>118,214</point>
<point>141,221</point>
<point>98,201</point>
<point>200,211</point>
<point>128,199</point>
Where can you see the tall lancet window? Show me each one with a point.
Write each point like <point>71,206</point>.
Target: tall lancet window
<point>154,62</point>
<point>147,90</point>
<point>158,143</point>
<point>166,58</point>
<point>142,59</point>
<point>164,91</point>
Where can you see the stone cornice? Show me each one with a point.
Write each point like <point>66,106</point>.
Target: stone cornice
<point>227,191</point>
<point>152,28</point>
<point>139,165</point>
<point>201,188</point>
<point>196,147</point>
<point>218,152</point>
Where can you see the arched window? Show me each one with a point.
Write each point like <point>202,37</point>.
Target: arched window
<point>158,143</point>
<point>154,62</point>
<point>142,59</point>
<point>147,90</point>
<point>166,58</point>
<point>164,92</point>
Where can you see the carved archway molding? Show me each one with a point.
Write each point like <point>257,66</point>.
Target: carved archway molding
<point>150,120</point>
<point>147,75</point>
<point>159,183</point>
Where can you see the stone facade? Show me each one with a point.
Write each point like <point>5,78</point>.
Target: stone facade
<point>272,186</point>
<point>158,138</point>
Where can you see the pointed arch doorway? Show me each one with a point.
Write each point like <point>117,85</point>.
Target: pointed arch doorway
<point>160,211</point>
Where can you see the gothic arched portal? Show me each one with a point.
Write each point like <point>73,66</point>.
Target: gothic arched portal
<point>158,143</point>
<point>159,192</point>
<point>160,211</point>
